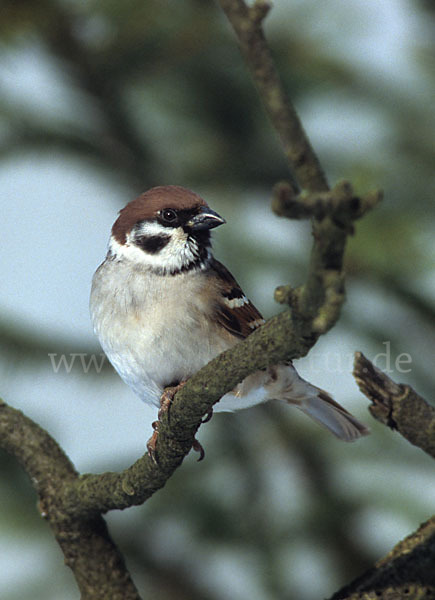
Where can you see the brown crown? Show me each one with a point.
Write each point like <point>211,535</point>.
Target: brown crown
<point>148,204</point>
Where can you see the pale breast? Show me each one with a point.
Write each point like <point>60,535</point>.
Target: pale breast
<point>154,329</point>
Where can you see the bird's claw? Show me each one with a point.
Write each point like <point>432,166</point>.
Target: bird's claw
<point>198,448</point>
<point>207,417</point>
<point>151,443</point>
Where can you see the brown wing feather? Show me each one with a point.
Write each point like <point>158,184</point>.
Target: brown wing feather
<point>234,311</point>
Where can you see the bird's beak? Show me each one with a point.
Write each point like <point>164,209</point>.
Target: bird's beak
<point>205,219</point>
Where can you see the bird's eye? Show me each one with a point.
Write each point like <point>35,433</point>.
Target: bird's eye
<point>169,215</point>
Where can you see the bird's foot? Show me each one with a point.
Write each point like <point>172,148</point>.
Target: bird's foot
<point>165,403</point>
<point>167,397</point>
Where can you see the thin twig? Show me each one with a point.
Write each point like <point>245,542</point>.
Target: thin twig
<point>247,24</point>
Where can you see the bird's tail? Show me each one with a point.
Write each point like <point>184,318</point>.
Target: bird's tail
<point>323,409</point>
<point>286,384</point>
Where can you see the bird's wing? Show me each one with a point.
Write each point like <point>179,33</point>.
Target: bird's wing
<point>234,311</point>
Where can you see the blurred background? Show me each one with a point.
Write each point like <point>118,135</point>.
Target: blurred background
<point>101,100</point>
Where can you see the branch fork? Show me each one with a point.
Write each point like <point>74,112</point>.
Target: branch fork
<point>341,204</point>
<point>259,11</point>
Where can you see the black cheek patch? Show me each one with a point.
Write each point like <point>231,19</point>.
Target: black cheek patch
<point>152,243</point>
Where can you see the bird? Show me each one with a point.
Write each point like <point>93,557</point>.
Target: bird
<point>162,307</point>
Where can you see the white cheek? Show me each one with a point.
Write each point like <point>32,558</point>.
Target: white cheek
<point>129,251</point>
<point>177,254</point>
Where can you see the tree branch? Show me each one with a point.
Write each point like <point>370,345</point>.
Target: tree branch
<point>396,405</point>
<point>317,304</point>
<point>406,572</point>
<point>98,566</point>
<point>319,301</point>
<point>272,343</point>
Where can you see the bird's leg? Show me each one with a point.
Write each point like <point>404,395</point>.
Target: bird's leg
<point>165,402</point>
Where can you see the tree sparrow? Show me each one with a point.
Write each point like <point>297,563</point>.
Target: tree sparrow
<point>163,307</point>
